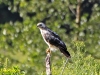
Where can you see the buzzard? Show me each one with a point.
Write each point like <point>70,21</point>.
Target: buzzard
<point>52,39</point>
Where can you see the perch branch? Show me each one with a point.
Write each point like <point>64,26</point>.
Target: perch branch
<point>48,64</point>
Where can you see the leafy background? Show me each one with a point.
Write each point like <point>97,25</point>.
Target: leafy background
<point>22,45</point>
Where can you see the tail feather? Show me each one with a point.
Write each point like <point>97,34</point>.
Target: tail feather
<point>65,52</point>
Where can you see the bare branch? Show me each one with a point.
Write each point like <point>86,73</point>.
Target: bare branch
<point>48,64</point>
<point>64,67</point>
<point>71,9</point>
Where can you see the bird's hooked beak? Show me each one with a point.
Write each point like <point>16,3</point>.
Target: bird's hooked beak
<point>38,25</point>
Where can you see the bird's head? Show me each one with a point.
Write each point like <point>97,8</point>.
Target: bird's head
<point>41,25</point>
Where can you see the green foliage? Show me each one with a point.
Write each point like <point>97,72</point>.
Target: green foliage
<point>22,44</point>
<point>11,71</point>
<point>5,70</point>
<point>78,64</point>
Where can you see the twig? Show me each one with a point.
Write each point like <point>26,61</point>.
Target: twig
<point>48,64</point>
<point>64,67</point>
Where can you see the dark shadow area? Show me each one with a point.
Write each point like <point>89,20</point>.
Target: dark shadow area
<point>7,16</point>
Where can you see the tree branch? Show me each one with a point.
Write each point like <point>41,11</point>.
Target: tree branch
<point>78,12</point>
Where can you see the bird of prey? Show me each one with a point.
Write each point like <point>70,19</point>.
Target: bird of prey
<point>52,39</point>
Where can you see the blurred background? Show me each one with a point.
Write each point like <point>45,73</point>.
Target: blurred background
<point>73,20</point>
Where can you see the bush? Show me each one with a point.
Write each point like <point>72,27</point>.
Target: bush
<point>5,70</point>
<point>79,64</point>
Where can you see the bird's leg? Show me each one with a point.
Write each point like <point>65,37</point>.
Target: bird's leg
<point>48,51</point>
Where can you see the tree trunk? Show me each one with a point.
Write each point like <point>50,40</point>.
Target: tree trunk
<point>78,17</point>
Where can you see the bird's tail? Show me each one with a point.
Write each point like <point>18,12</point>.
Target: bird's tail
<point>65,52</point>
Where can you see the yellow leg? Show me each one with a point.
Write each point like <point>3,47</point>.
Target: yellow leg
<point>48,51</point>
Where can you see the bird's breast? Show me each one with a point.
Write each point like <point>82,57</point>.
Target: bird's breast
<point>53,48</point>
<point>46,35</point>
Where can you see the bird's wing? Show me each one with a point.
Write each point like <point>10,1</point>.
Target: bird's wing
<point>55,40</point>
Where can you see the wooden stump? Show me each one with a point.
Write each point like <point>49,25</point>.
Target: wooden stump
<point>48,63</point>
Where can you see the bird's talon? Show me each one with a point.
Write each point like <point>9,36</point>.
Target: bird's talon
<point>48,51</point>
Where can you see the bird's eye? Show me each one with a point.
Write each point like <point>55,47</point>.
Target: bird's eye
<point>40,25</point>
